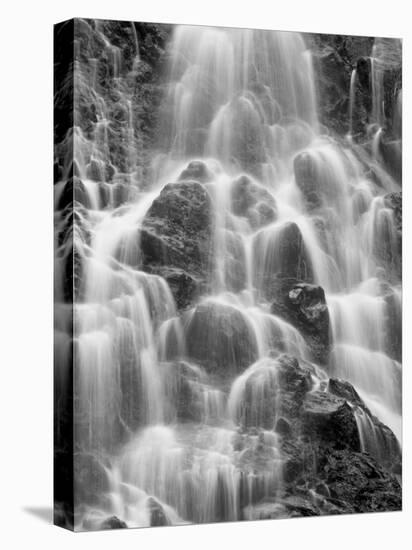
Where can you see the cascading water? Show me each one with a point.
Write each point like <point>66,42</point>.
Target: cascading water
<point>286,200</point>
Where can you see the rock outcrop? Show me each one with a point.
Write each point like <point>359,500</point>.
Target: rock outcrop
<point>176,239</point>
<point>304,306</point>
<point>220,338</point>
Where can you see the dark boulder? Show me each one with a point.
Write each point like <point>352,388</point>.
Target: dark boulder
<point>176,238</point>
<point>376,439</point>
<point>304,306</point>
<point>331,420</point>
<point>220,337</point>
<point>280,252</point>
<point>356,479</point>
<point>113,522</point>
<point>345,390</point>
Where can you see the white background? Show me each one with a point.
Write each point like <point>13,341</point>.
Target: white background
<point>26,72</point>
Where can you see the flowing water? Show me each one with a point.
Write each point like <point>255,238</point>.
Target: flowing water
<point>244,102</point>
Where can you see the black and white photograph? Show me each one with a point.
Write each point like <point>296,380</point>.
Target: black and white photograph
<point>228,274</point>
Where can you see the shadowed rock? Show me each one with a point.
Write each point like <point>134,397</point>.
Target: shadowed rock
<point>219,337</point>
<point>330,419</point>
<point>176,239</point>
<point>304,306</point>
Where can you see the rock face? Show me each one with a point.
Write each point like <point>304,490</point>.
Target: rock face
<point>324,470</point>
<point>113,522</point>
<point>196,171</point>
<point>304,306</point>
<point>252,201</point>
<point>176,239</point>
<point>307,180</point>
<point>91,481</point>
<point>331,420</point>
<point>280,253</point>
<point>220,338</point>
<point>394,202</point>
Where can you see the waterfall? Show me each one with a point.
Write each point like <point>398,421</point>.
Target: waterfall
<point>161,389</point>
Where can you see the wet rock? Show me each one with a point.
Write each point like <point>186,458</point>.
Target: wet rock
<point>280,253</point>
<point>113,522</point>
<point>331,420</point>
<point>376,439</point>
<point>196,171</point>
<point>98,170</point>
<point>393,325</point>
<point>177,236</point>
<point>391,152</point>
<point>345,390</point>
<point>283,427</point>
<point>252,201</point>
<point>306,178</point>
<point>90,479</point>
<point>293,377</point>
<point>219,337</point>
<point>74,191</point>
<point>355,479</point>
<point>387,237</point>
<point>234,262</point>
<point>186,288</point>
<point>304,306</point>
<point>184,389</point>
<point>158,516</point>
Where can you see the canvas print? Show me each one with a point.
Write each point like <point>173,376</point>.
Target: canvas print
<point>228,254</point>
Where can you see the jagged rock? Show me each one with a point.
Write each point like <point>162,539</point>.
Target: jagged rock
<point>98,170</point>
<point>293,377</point>
<point>304,306</point>
<point>345,390</point>
<point>113,522</point>
<point>219,337</point>
<point>196,171</point>
<point>252,201</point>
<point>177,238</point>
<point>331,420</point>
<point>74,191</point>
<point>355,479</point>
<point>376,439</point>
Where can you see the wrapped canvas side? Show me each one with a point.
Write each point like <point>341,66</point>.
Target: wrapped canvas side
<point>63,274</point>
